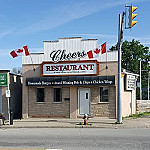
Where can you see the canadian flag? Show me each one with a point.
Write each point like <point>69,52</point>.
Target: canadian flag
<point>18,52</point>
<point>103,48</point>
<point>95,53</point>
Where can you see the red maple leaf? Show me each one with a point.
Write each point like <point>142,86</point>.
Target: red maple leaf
<point>19,50</point>
<point>97,51</point>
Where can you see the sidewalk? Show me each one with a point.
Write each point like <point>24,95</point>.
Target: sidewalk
<point>95,122</point>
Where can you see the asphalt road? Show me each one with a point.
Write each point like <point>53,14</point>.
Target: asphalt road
<point>76,138</point>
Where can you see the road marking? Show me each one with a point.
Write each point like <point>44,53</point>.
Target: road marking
<point>22,148</point>
<point>53,149</point>
<point>27,149</point>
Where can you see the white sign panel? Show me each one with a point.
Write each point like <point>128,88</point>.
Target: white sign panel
<point>7,93</point>
<point>79,68</point>
<point>130,82</point>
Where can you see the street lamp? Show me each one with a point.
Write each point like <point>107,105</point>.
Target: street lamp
<point>140,81</point>
<point>148,78</point>
<point>148,83</point>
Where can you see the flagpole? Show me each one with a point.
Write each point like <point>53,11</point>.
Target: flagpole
<point>32,63</point>
<point>31,59</point>
<point>106,58</point>
<point>103,50</point>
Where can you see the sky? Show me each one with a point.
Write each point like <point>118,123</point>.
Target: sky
<point>30,22</point>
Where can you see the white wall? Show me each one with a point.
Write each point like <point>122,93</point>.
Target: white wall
<point>70,45</point>
<point>128,101</point>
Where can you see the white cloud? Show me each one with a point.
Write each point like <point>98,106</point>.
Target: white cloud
<point>143,40</point>
<point>98,35</point>
<point>5,52</point>
<point>61,14</point>
<point>112,39</point>
<point>69,12</point>
<point>36,50</point>
<point>6,32</point>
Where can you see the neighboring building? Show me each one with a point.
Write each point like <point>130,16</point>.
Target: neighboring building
<point>12,82</point>
<point>63,82</point>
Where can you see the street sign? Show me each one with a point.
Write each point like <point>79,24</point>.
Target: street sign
<point>3,79</point>
<point>7,93</point>
<point>130,82</point>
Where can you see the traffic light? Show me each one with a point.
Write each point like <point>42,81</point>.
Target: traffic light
<point>132,16</point>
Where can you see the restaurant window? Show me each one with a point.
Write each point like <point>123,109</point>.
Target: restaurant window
<point>40,95</point>
<point>104,94</point>
<point>57,95</point>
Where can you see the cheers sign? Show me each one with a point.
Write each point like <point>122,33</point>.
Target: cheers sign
<point>60,55</point>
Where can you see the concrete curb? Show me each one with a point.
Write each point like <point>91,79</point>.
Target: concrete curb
<point>70,123</point>
<point>108,127</point>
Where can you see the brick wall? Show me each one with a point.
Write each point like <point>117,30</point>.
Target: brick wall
<point>28,72</point>
<point>31,108</point>
<point>49,108</point>
<point>103,109</point>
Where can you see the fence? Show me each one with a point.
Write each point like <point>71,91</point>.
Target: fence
<point>143,106</point>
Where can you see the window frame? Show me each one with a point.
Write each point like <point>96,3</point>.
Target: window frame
<point>101,100</point>
<point>37,96</point>
<point>55,93</point>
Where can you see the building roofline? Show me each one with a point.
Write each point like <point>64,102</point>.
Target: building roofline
<point>89,39</point>
<point>37,53</point>
<point>15,74</point>
<point>70,38</point>
<point>51,41</point>
<point>4,70</point>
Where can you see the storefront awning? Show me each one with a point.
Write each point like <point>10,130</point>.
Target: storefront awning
<point>70,80</point>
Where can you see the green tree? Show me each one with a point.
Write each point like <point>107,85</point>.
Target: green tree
<point>132,53</point>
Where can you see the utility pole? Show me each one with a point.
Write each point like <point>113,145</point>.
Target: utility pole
<point>119,108</point>
<point>120,36</point>
<point>131,23</point>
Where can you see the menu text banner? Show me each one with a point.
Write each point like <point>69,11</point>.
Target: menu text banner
<point>71,81</point>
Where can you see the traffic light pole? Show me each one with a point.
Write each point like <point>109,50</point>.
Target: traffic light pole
<point>119,103</point>
<point>120,36</point>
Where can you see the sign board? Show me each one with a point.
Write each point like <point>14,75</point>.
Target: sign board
<point>71,81</point>
<point>3,79</point>
<point>71,68</point>
<point>130,82</point>
<point>61,55</point>
<point>7,93</point>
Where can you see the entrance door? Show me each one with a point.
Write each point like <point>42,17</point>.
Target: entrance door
<point>84,101</point>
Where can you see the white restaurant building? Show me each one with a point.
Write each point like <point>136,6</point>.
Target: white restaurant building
<point>63,82</point>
